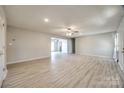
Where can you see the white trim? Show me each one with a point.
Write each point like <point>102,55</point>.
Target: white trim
<point>120,65</point>
<point>26,60</point>
<point>94,55</point>
<point>4,76</point>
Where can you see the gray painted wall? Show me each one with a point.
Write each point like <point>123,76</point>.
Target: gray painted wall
<point>98,45</point>
<point>26,45</point>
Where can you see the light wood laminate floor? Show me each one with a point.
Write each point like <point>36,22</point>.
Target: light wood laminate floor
<point>64,71</point>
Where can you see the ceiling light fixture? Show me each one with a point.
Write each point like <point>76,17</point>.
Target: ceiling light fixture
<point>71,31</point>
<point>46,20</point>
<point>69,34</point>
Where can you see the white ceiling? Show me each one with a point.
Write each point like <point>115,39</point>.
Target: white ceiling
<point>86,19</point>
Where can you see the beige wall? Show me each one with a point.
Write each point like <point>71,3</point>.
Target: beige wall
<point>98,45</point>
<point>26,45</point>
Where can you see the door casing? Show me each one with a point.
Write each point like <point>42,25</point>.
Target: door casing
<point>3,70</point>
<point>121,44</point>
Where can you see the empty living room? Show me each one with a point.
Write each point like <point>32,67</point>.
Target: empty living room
<point>61,46</point>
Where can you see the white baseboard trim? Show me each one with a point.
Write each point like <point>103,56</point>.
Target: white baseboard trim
<point>26,60</point>
<point>94,55</point>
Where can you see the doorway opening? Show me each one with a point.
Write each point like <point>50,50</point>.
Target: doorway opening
<point>58,45</point>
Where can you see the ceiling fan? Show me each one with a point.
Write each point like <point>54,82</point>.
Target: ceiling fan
<point>71,32</point>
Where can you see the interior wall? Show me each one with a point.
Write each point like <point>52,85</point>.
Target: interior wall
<point>26,45</point>
<point>23,45</point>
<point>73,45</point>
<point>97,45</point>
<point>69,46</point>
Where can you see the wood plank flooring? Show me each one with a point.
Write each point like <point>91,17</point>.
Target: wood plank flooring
<point>64,71</point>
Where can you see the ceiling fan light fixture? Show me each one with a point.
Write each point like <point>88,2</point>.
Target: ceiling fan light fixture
<point>68,34</point>
<point>71,31</point>
<point>69,28</point>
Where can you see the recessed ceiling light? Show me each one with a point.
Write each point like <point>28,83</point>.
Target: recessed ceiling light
<point>46,20</point>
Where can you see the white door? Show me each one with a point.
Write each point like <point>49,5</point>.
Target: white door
<point>2,48</point>
<point>122,47</point>
<point>121,44</point>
